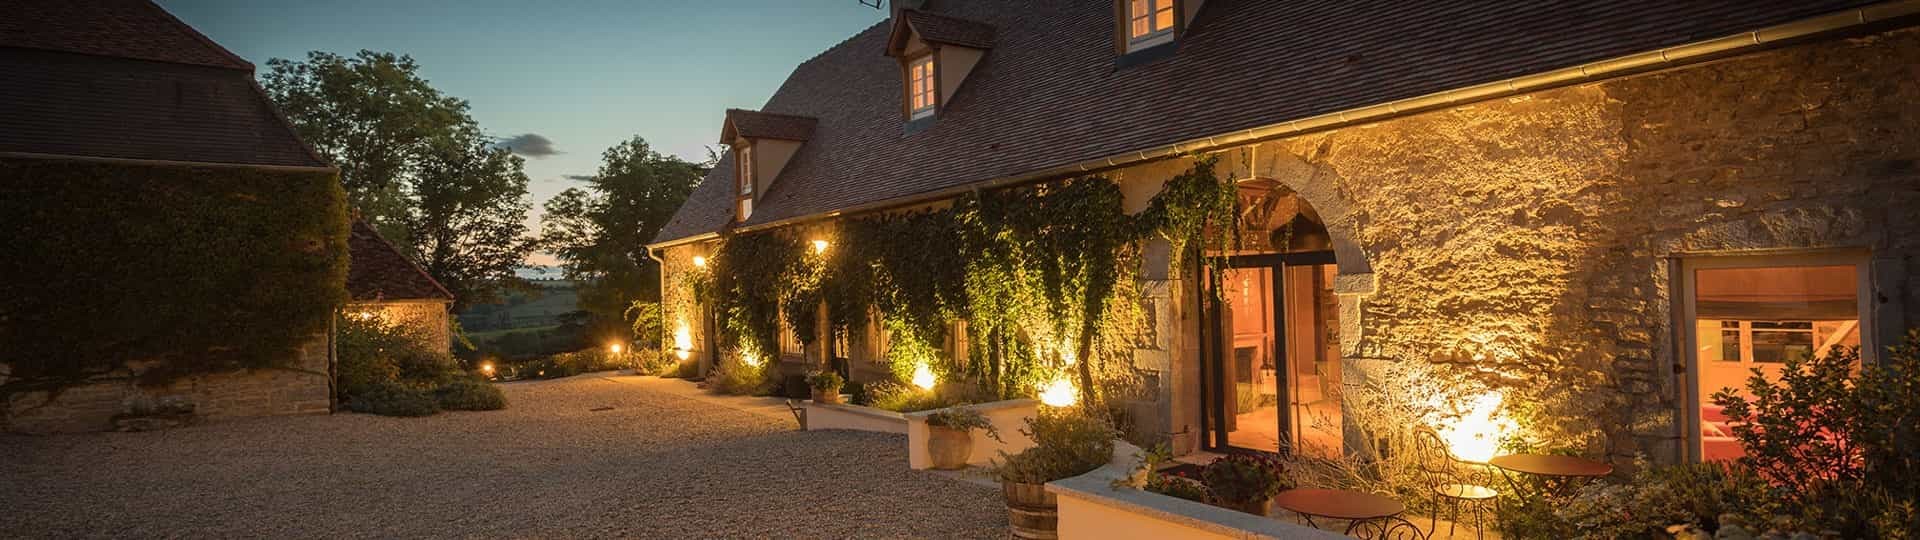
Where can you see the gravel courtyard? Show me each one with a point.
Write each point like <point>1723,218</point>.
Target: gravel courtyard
<point>588,456</point>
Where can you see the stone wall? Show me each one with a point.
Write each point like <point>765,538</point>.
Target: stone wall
<point>1526,242</point>
<point>303,387</point>
<point>429,317</point>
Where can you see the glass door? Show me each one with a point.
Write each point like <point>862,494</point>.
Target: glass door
<point>1270,380</point>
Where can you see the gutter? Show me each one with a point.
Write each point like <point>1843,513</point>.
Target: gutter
<point>1691,53</point>
<point>169,163</point>
<point>665,335</point>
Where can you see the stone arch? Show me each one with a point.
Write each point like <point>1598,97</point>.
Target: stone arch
<point>1315,184</point>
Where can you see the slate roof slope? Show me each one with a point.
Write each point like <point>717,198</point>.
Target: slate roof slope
<point>123,79</point>
<point>379,272</point>
<point>1048,95</point>
<point>937,28</point>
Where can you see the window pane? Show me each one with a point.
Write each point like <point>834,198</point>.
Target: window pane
<point>1141,7</point>
<point>1164,19</point>
<point>746,208</point>
<point>1749,319</point>
<point>1140,27</point>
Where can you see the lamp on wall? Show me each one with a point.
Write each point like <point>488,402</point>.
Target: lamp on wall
<point>699,261</point>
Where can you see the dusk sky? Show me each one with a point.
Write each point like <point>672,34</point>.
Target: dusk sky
<point>583,74</point>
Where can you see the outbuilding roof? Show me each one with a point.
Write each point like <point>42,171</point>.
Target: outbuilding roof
<point>379,272</point>
<point>1049,93</point>
<point>123,79</point>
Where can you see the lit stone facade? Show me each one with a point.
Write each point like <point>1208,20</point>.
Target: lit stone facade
<point>302,387</point>
<point>427,317</point>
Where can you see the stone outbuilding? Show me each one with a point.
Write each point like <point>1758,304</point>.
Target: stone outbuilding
<point>382,281</point>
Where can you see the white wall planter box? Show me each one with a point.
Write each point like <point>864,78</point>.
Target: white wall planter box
<point>1092,509</point>
<point>1008,417</point>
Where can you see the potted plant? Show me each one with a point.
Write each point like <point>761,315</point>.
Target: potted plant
<point>1244,482</point>
<point>826,386</point>
<point>950,435</point>
<point>1066,444</point>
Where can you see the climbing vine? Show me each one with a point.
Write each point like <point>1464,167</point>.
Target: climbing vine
<point>1033,271</point>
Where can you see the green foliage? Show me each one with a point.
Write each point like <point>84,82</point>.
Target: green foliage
<point>371,352</point>
<point>898,397</point>
<point>470,394</point>
<point>648,326</point>
<point>196,269</point>
<point>735,377</point>
<point>964,418</point>
<point>1067,443</point>
<point>683,369</point>
<point>826,381</point>
<point>393,399</point>
<point>1655,499</point>
<point>568,364</point>
<point>1844,434</point>
<point>1177,485</point>
<point>599,232</point>
<point>414,163</point>
<point>1034,272</point>
<point>1244,478</point>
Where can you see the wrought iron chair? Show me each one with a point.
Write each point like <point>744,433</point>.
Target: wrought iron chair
<point>1443,474</point>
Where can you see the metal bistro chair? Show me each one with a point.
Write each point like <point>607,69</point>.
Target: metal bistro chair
<point>1443,475</point>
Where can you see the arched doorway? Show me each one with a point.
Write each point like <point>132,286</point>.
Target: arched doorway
<point>1270,359</point>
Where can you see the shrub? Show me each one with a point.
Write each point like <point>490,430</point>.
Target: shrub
<point>1177,485</point>
<point>898,397</point>
<point>736,377</point>
<point>963,418</point>
<point>371,352</point>
<point>1645,506</point>
<point>1067,443</point>
<point>826,382</point>
<point>684,369</point>
<point>392,399</point>
<point>1244,478</point>
<point>209,268</point>
<point>470,394</point>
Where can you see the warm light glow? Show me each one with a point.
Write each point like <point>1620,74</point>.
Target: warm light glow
<point>614,348</point>
<point>923,377</point>
<point>682,341</point>
<point>1060,393</point>
<point>750,359</point>
<point>1067,354</point>
<point>1475,435</point>
<point>364,315</point>
<point>819,246</point>
<point>487,368</point>
<point>699,262</point>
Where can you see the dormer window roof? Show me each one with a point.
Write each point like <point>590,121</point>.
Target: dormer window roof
<point>762,144</point>
<point>936,53</point>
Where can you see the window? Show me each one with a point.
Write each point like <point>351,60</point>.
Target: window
<point>746,170</point>
<point>1149,23</point>
<point>745,208</point>
<point>790,344</point>
<point>920,89</point>
<point>1756,313</point>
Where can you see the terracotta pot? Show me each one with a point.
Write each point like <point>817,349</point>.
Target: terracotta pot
<point>949,448</point>
<point>1258,508</point>
<point>1032,512</point>
<point>832,397</point>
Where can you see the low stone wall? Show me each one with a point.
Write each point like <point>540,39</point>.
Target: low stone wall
<point>1008,417</point>
<point>1091,508</point>
<point>837,416</point>
<point>304,387</point>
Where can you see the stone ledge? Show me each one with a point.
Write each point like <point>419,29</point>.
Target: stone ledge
<point>1090,507</point>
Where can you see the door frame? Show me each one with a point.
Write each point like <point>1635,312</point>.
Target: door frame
<point>1213,352</point>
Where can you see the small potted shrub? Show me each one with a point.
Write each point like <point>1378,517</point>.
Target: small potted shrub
<point>1244,482</point>
<point>826,386</point>
<point>950,435</point>
<point>1066,443</point>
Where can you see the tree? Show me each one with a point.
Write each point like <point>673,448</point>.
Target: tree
<point>600,232</point>
<point>414,164</point>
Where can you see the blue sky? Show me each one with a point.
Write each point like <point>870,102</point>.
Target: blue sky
<point>584,74</point>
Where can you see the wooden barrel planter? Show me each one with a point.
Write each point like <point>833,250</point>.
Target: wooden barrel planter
<point>1032,512</point>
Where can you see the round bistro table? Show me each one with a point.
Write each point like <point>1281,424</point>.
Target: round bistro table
<point>1362,511</point>
<point>1557,473</point>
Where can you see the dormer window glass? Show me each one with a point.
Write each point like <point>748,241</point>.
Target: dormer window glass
<point>1149,23</point>
<point>921,93</point>
<point>743,201</point>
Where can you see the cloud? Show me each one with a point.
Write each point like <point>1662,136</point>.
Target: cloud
<point>533,145</point>
<point>578,177</point>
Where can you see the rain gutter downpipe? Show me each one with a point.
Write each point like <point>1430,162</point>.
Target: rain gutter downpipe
<point>1857,19</point>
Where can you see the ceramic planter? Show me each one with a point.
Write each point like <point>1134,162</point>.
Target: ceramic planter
<point>949,448</point>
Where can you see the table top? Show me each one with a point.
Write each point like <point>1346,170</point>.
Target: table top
<point>1338,504</point>
<point>1546,465</point>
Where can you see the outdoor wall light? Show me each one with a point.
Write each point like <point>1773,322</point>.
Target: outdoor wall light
<point>1060,393</point>
<point>819,246</point>
<point>614,348</point>
<point>682,341</point>
<point>923,377</point>
<point>699,261</point>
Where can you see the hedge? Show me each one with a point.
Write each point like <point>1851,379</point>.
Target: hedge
<point>176,269</point>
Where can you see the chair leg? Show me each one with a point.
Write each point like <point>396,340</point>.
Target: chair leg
<point>1433,520</point>
<point>1453,521</point>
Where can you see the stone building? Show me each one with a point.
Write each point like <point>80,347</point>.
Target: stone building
<point>383,282</point>
<point>1596,215</point>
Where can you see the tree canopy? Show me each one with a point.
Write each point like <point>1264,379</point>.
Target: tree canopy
<point>599,232</point>
<point>414,163</point>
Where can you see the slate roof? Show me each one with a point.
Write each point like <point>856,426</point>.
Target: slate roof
<point>756,124</point>
<point>1048,94</point>
<point>937,28</point>
<point>379,272</point>
<point>124,79</point>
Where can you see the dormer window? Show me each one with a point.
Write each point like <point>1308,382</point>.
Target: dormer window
<point>744,206</point>
<point>1149,23</point>
<point>921,92</point>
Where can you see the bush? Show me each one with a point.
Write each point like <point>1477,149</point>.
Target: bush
<point>826,381</point>
<point>470,394</point>
<point>371,352</point>
<point>391,399</point>
<point>1067,443</point>
<point>898,397</point>
<point>209,269</point>
<point>684,369</point>
<point>1645,506</point>
<point>735,377</point>
<point>1244,478</point>
<point>964,418</point>
<point>651,362</point>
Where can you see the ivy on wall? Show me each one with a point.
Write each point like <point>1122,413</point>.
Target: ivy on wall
<point>175,270</point>
<point>1034,271</point>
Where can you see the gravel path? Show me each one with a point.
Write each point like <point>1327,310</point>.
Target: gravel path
<point>659,463</point>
